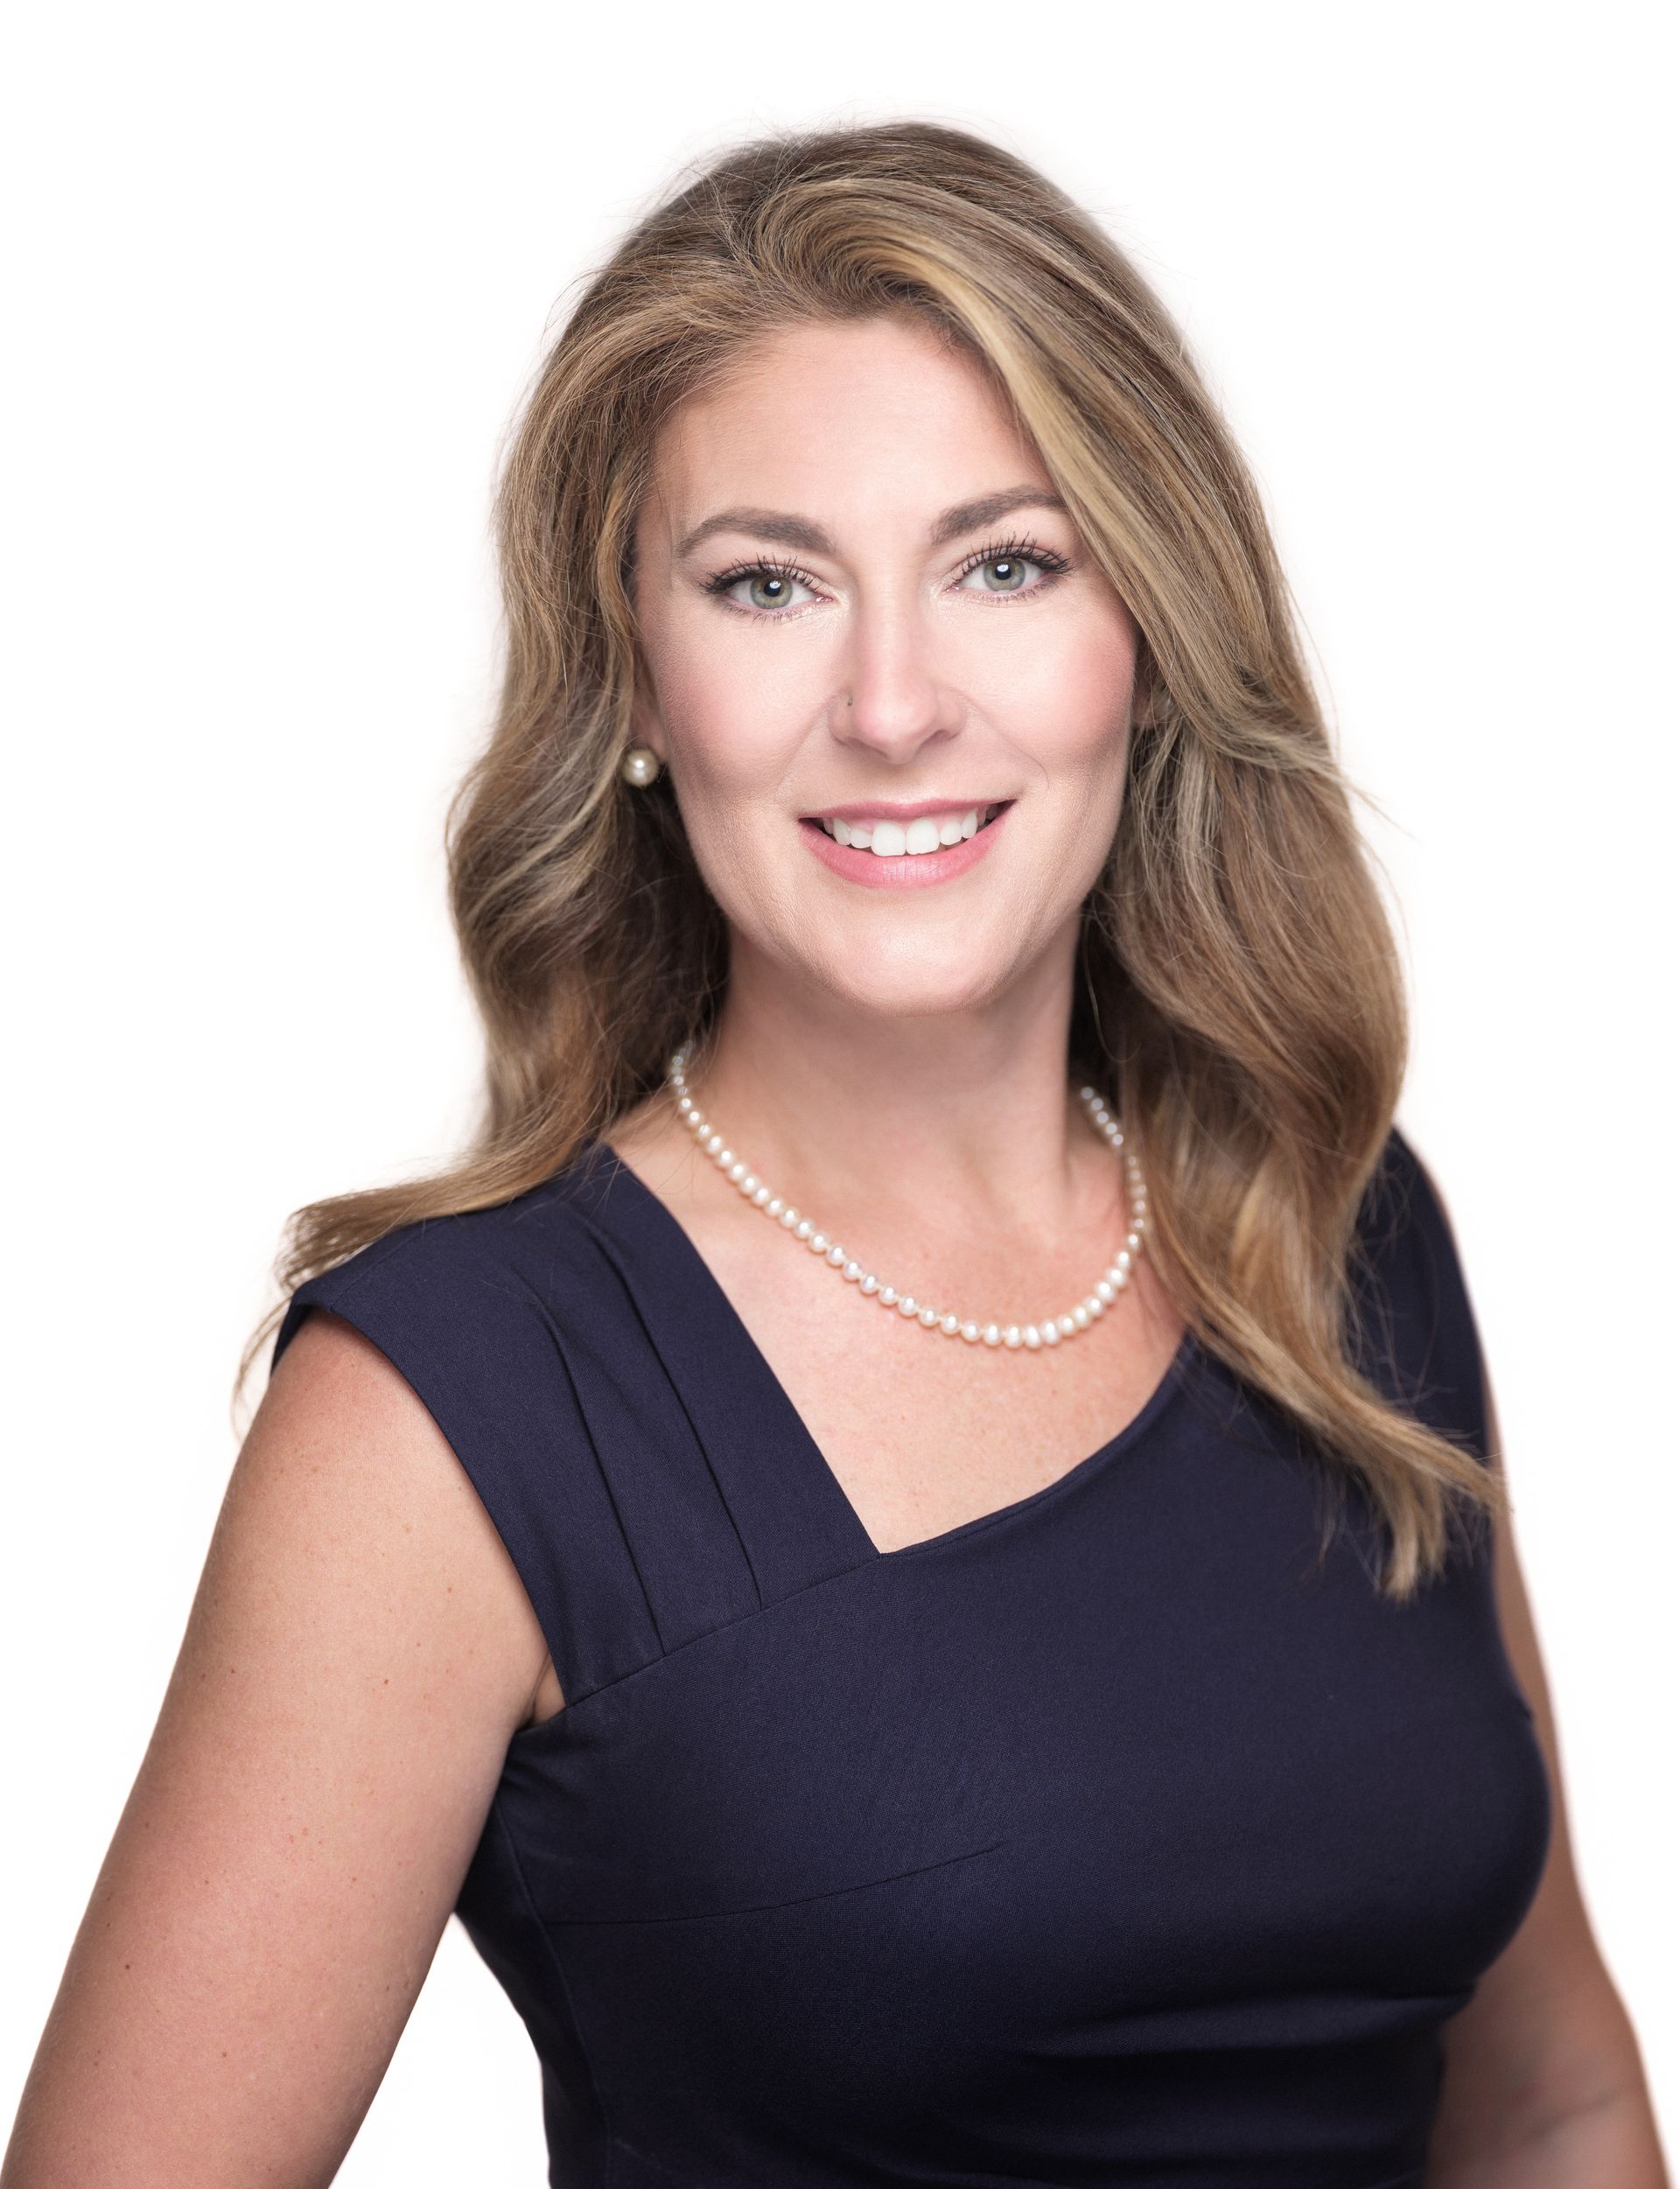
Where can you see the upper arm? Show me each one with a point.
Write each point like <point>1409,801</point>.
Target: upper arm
<point>1544,2033</point>
<point>357,1653</point>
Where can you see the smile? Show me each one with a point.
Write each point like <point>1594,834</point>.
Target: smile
<point>882,853</point>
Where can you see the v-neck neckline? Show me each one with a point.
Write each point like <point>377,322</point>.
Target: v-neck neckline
<point>663,1229</point>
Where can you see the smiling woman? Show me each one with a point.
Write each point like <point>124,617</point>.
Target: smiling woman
<point>1062,1712</point>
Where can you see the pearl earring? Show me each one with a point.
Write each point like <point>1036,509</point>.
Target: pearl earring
<point>640,766</point>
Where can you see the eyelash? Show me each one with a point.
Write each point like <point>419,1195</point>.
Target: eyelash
<point>1014,549</point>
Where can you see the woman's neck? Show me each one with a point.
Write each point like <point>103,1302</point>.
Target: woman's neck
<point>970,1116</point>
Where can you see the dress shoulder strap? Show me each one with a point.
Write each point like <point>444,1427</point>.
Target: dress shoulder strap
<point>515,1330</point>
<point>1418,1335</point>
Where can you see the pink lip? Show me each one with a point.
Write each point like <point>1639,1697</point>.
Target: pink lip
<point>909,809</point>
<point>919,870</point>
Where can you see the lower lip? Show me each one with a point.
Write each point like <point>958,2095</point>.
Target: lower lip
<point>912,869</point>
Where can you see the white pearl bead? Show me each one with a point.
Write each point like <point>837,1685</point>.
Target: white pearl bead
<point>1032,1336</point>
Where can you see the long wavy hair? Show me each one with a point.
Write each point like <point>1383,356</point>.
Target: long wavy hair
<point>1240,1001</point>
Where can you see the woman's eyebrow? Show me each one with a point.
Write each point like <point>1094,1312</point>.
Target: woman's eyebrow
<point>789,530</point>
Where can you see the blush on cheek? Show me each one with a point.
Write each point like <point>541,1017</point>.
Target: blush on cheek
<point>1084,699</point>
<point>1058,685</point>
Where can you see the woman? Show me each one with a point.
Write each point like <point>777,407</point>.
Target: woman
<point>999,1679</point>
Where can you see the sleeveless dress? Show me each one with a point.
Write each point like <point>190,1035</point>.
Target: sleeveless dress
<point>1111,1838</point>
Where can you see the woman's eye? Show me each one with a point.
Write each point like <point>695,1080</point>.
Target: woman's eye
<point>763,592</point>
<point>1005,574</point>
<point>773,590</point>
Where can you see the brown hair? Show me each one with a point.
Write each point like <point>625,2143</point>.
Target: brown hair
<point>1240,1002</point>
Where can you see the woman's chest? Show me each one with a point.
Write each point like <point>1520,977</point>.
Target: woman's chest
<point>924,1432</point>
<point>1137,1714</point>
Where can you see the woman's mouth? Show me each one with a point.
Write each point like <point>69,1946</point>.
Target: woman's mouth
<point>884,853</point>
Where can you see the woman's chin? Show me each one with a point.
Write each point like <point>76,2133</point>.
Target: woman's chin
<point>915,978</point>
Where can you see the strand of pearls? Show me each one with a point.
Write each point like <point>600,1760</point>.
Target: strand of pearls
<point>1031,1336</point>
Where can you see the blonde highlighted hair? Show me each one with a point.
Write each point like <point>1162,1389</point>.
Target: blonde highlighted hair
<point>1239,1001</point>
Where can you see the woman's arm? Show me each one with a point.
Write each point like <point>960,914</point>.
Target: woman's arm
<point>357,1653</point>
<point>1544,2088</point>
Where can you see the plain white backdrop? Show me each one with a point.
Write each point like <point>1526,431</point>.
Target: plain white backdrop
<point>278,280</point>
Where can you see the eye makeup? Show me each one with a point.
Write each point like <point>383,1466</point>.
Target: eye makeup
<point>1015,549</point>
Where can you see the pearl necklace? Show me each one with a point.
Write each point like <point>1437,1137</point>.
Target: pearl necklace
<point>1032,1336</point>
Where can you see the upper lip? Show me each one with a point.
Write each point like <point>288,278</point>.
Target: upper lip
<point>904,809</point>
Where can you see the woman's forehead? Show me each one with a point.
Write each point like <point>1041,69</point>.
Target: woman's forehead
<point>823,420</point>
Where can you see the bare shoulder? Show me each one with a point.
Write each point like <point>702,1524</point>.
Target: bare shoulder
<point>357,1654</point>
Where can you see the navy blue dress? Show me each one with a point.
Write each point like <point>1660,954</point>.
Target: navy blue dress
<point>1108,1839</point>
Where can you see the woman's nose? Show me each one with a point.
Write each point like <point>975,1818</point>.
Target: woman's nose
<point>892,693</point>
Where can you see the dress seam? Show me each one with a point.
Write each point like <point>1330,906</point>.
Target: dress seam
<point>692,1642</point>
<point>533,1915</point>
<point>607,1248</point>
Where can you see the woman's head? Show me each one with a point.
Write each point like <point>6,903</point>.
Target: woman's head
<point>857,330</point>
<point>809,316</point>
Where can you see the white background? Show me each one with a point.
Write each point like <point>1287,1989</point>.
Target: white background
<point>278,278</point>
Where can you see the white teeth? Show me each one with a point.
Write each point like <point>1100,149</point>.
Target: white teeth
<point>896,840</point>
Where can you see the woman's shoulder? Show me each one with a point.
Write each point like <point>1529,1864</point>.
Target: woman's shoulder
<point>470,1276</point>
<point>1415,1323</point>
<point>1402,1237</point>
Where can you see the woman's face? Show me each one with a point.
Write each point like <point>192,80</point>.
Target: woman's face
<point>858,596</point>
